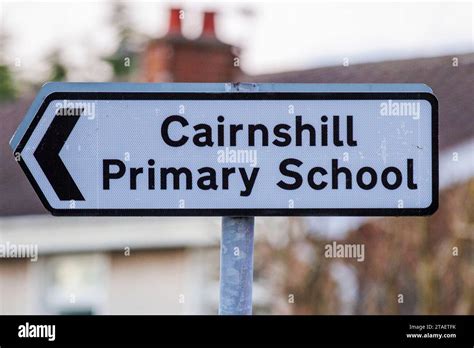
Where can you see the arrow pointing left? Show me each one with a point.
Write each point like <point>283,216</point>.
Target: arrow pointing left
<point>47,154</point>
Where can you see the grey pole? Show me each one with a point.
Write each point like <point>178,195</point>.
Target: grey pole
<point>236,273</point>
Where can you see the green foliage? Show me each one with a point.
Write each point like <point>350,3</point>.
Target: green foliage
<point>123,63</point>
<point>58,70</point>
<point>123,60</point>
<point>7,86</point>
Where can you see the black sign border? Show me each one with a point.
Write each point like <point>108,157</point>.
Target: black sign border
<point>242,96</point>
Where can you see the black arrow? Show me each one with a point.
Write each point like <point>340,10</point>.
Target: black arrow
<point>47,154</point>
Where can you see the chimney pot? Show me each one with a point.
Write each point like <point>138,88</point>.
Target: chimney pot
<point>209,26</point>
<point>175,22</point>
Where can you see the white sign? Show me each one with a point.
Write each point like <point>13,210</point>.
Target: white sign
<point>93,152</point>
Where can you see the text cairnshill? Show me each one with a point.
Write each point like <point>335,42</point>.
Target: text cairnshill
<point>302,134</point>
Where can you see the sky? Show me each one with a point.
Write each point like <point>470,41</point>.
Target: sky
<point>273,35</point>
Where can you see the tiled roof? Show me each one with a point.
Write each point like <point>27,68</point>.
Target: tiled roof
<point>453,86</point>
<point>17,195</point>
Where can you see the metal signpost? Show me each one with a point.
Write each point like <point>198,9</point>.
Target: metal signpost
<point>232,150</point>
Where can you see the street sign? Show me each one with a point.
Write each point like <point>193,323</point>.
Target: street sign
<point>206,149</point>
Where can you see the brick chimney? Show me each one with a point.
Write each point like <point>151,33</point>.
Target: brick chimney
<point>209,25</point>
<point>174,58</point>
<point>174,27</point>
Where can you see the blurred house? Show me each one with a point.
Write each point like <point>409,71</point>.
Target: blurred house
<point>170,265</point>
<point>122,265</point>
<point>412,265</point>
<point>115,266</point>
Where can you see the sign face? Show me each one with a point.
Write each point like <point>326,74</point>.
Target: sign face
<point>233,153</point>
